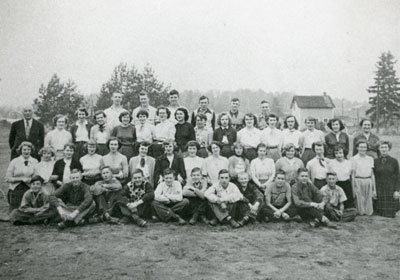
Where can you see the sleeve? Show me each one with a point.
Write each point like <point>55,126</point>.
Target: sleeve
<point>11,137</point>
<point>297,201</point>
<point>396,176</point>
<point>47,139</point>
<point>25,202</point>
<point>60,191</point>
<point>258,195</point>
<point>215,135</point>
<point>157,172</point>
<point>41,137</point>
<point>177,195</point>
<point>210,194</point>
<point>114,131</point>
<point>204,171</point>
<point>149,195</point>
<point>182,169</point>
<point>235,195</point>
<point>114,186</point>
<point>213,121</point>
<point>231,166</point>
<point>158,194</point>
<point>354,145</point>
<point>171,132</point>
<point>193,119</point>
<point>125,167</point>
<point>234,136</point>
<point>71,131</point>
<point>317,196</point>
<point>192,133</point>
<point>342,197</point>
<point>87,201</point>
<point>92,133</point>
<point>10,171</point>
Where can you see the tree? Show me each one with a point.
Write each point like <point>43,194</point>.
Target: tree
<point>130,82</point>
<point>57,98</point>
<point>385,92</point>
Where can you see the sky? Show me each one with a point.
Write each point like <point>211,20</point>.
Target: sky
<point>305,47</point>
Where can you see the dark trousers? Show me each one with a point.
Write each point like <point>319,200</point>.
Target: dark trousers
<point>107,202</point>
<point>348,190</point>
<point>291,211</point>
<point>319,183</point>
<point>80,150</point>
<point>310,213</point>
<point>197,206</point>
<point>166,211</point>
<point>221,214</point>
<point>250,153</point>
<point>14,197</point>
<point>331,212</point>
<point>20,217</point>
<point>244,210</point>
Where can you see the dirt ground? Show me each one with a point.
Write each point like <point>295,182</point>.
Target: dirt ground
<point>368,248</point>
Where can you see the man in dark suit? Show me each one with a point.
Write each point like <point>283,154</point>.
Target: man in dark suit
<point>27,129</point>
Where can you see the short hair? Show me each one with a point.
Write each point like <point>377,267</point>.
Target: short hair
<point>117,92</point>
<point>235,99</point>
<point>362,141</point>
<point>123,114</point>
<point>47,149</point>
<point>287,148</point>
<point>75,170</point>
<point>169,142</point>
<point>91,142</point>
<point>201,116</point>
<point>144,144</point>
<point>238,145</point>
<point>163,108</point>
<point>296,123</point>
<point>173,92</point>
<point>318,144</point>
<point>195,169</point>
<point>204,97</point>
<point>384,142</point>
<point>280,172</point>
<point>249,115</point>
<point>331,173</point>
<point>223,171</point>
<point>60,116</point>
<point>244,173</point>
<point>142,112</point>
<point>185,112</point>
<point>261,145</point>
<point>137,171</point>
<point>219,144</point>
<point>301,170</point>
<point>193,143</point>
<point>143,93</point>
<point>25,144</point>
<point>310,119</point>
<point>338,148</point>
<point>331,121</point>
<point>366,120</point>
<point>272,116</point>
<point>113,138</point>
<point>69,145</point>
<point>99,112</point>
<point>36,178</point>
<point>106,167</point>
<point>169,171</point>
<point>220,117</point>
<point>264,101</point>
<point>82,109</point>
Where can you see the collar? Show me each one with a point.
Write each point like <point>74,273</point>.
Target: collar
<point>234,114</point>
<point>84,123</point>
<point>205,112</point>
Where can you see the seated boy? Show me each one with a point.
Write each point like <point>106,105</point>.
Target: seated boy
<point>140,194</point>
<point>253,203</point>
<point>108,195</point>
<point>73,201</point>
<point>223,197</point>
<point>308,199</point>
<point>35,206</point>
<point>195,194</point>
<point>334,198</point>
<point>278,199</point>
<point>168,198</point>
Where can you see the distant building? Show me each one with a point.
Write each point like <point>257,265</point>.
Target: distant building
<point>320,107</point>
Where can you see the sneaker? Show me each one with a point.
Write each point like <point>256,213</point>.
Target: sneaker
<point>61,225</point>
<point>106,217</point>
<point>329,224</point>
<point>296,218</point>
<point>139,221</point>
<point>234,224</point>
<point>194,218</point>
<point>181,221</point>
<point>213,222</point>
<point>314,223</point>
<point>155,219</point>
<point>244,221</point>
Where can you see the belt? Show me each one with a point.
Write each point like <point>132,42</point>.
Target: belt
<point>359,177</point>
<point>305,149</point>
<point>272,147</point>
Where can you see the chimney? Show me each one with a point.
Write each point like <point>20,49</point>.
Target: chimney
<point>325,93</point>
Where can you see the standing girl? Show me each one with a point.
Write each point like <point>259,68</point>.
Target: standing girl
<point>59,136</point>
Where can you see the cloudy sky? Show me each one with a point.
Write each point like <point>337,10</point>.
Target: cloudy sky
<point>302,46</point>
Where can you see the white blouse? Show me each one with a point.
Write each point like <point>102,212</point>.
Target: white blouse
<point>291,137</point>
<point>165,130</point>
<point>249,138</point>
<point>342,169</point>
<point>263,169</point>
<point>272,137</point>
<point>309,137</point>
<point>44,169</point>
<point>190,163</point>
<point>57,139</point>
<point>212,166</point>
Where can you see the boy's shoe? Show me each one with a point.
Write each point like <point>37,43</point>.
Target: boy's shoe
<point>61,225</point>
<point>139,221</point>
<point>234,224</point>
<point>213,222</point>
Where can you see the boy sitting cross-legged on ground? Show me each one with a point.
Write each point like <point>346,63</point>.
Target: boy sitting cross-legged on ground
<point>334,198</point>
<point>168,199</point>
<point>195,194</point>
<point>223,197</point>
<point>35,206</point>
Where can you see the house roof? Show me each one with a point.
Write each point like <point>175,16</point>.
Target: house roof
<point>313,101</point>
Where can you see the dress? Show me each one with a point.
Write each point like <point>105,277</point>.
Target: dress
<point>387,182</point>
<point>363,183</point>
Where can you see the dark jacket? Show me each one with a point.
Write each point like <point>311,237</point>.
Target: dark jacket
<point>163,163</point>
<point>74,128</point>
<point>74,195</point>
<point>331,142</point>
<point>17,136</point>
<point>251,194</point>
<point>59,166</point>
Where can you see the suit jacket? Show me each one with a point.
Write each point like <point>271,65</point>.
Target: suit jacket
<point>74,128</point>
<point>17,136</point>
<point>151,162</point>
<point>163,163</point>
<point>60,165</point>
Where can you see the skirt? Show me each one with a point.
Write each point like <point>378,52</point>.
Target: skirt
<point>386,204</point>
<point>80,150</point>
<point>226,151</point>
<point>14,197</point>
<point>363,193</point>
<point>102,149</point>
<point>202,152</point>
<point>319,183</point>
<point>274,153</point>
<point>307,155</point>
<point>348,190</point>
<point>250,153</point>
<point>128,151</point>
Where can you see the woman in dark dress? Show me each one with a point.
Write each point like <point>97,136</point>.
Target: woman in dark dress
<point>387,182</point>
<point>336,137</point>
<point>126,134</point>
<point>184,130</point>
<point>366,134</point>
<point>225,134</point>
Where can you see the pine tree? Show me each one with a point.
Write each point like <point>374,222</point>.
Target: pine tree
<point>385,92</point>
<point>57,98</point>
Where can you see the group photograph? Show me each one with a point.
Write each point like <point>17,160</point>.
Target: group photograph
<point>200,140</point>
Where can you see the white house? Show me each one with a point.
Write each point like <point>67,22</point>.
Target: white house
<point>320,107</point>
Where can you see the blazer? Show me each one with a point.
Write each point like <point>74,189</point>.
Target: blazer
<point>151,162</point>
<point>74,128</point>
<point>60,165</point>
<point>17,136</point>
<point>163,163</point>
<point>331,142</point>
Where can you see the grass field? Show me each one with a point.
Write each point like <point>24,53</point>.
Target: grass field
<point>365,249</point>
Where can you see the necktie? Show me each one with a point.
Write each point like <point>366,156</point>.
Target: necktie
<point>27,129</point>
<point>101,127</point>
<point>321,162</point>
<point>26,162</point>
<point>142,162</point>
